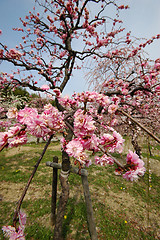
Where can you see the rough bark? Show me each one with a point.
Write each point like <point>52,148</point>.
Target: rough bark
<point>90,217</point>
<point>149,149</point>
<point>134,140</point>
<point>65,190</point>
<point>54,192</point>
<point>62,205</point>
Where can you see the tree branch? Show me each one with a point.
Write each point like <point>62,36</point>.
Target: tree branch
<point>140,125</point>
<point>29,182</point>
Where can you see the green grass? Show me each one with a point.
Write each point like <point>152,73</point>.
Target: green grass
<point>120,207</point>
<point>157,157</point>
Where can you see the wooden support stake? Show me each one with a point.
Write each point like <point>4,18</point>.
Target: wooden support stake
<point>54,192</point>
<point>73,169</point>
<point>90,217</point>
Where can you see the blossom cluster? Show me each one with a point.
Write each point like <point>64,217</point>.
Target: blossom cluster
<point>87,139</point>
<point>13,233</point>
<point>58,25</point>
<point>135,167</point>
<point>13,54</point>
<point>91,133</point>
<point>50,121</point>
<point>85,134</point>
<point>88,97</point>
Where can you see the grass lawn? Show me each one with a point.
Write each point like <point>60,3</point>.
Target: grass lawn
<point>122,210</point>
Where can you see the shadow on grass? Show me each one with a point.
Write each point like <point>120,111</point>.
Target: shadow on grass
<point>76,218</point>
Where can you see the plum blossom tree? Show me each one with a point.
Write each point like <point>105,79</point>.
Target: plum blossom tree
<point>134,79</point>
<point>55,42</point>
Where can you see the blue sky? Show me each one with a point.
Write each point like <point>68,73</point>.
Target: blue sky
<point>143,19</point>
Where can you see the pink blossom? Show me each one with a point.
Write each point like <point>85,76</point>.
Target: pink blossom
<point>83,124</point>
<point>107,140</point>
<point>0,32</point>
<point>91,143</point>
<point>19,139</point>
<point>50,19</point>
<point>14,234</point>
<point>48,108</point>
<point>5,124</point>
<point>1,53</point>
<point>13,53</point>
<point>3,138</point>
<point>116,100</point>
<point>83,159</point>
<point>57,92</point>
<point>104,160</point>
<point>105,101</point>
<point>37,127</point>
<point>124,91</point>
<point>1,109</point>
<point>74,148</point>
<point>119,142</point>
<point>12,113</point>
<point>120,82</point>
<point>11,233</point>
<point>112,142</point>
<point>62,54</point>
<point>40,40</point>
<point>37,31</point>
<point>53,118</point>
<point>136,167</point>
<point>158,88</point>
<point>114,122</point>
<point>88,162</point>
<point>26,115</point>
<point>112,108</point>
<point>134,175</point>
<point>133,158</point>
<point>51,28</point>
<point>45,87</point>
<point>13,130</point>
<point>63,142</point>
<point>22,218</point>
<point>67,102</point>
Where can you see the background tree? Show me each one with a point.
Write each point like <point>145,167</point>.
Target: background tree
<point>133,80</point>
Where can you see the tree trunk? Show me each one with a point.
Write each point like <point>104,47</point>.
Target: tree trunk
<point>134,141</point>
<point>62,205</point>
<point>65,191</point>
<point>54,192</point>
<point>90,215</point>
<point>149,148</point>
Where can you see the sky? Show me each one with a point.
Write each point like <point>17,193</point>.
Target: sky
<point>142,19</point>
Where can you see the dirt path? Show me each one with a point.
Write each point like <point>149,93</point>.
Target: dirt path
<point>21,149</point>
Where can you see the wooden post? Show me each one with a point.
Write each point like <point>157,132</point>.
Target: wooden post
<point>90,217</point>
<point>54,192</point>
<point>72,170</point>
